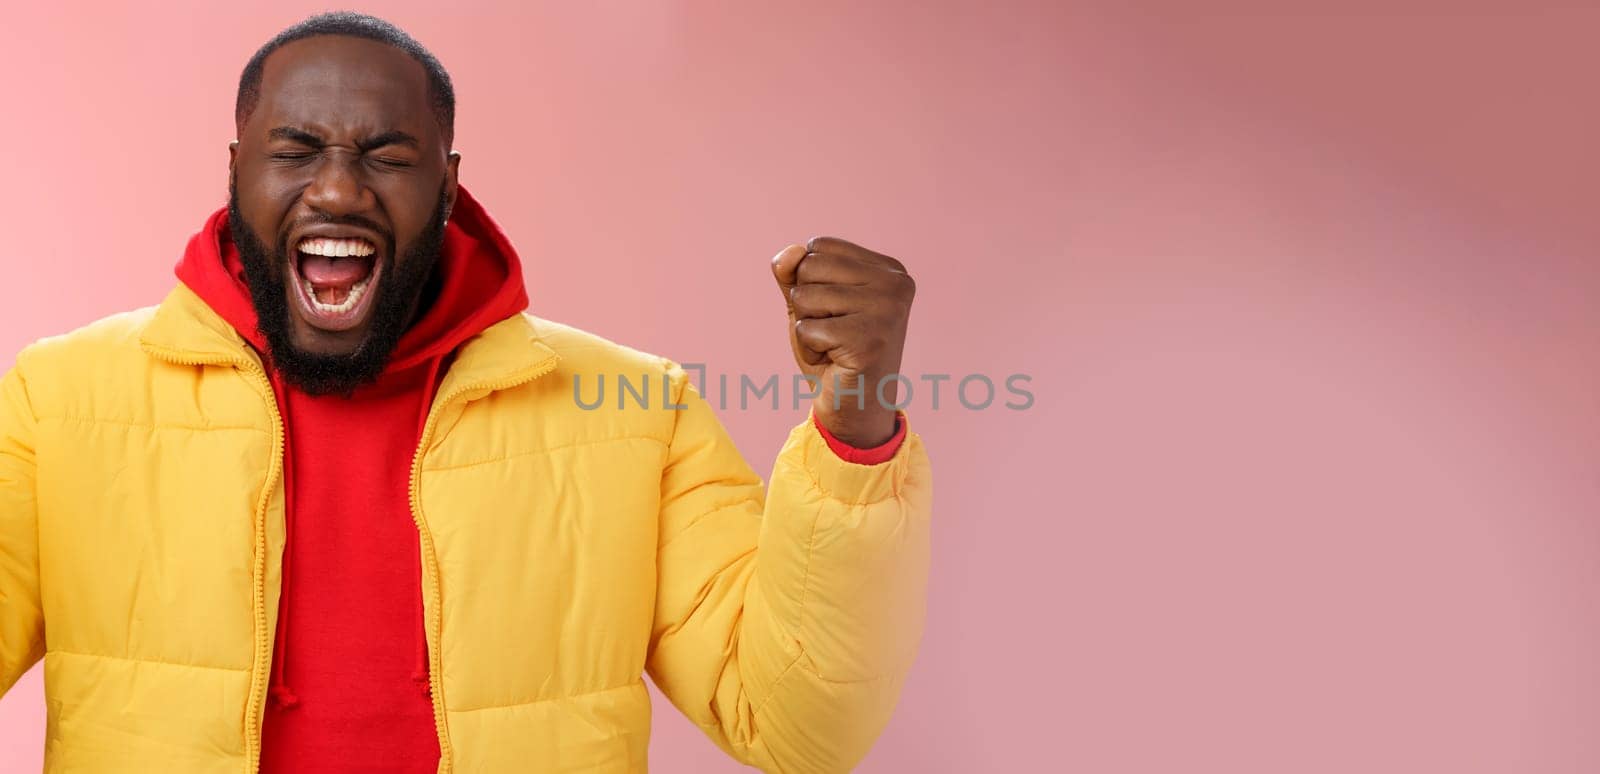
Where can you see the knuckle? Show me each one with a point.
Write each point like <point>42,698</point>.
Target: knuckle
<point>809,268</point>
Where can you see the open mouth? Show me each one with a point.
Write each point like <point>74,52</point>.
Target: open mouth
<point>335,280</point>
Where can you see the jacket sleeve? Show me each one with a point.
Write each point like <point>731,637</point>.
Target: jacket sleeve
<point>786,619</point>
<point>21,616</point>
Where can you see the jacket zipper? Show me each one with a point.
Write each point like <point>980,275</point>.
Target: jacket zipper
<point>263,657</point>
<point>432,625</point>
<point>258,595</point>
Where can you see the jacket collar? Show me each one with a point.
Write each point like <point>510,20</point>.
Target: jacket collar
<point>185,330</point>
<point>506,354</point>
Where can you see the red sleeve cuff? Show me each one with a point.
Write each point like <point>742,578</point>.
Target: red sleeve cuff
<point>875,456</point>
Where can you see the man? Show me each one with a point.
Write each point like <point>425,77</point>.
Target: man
<point>332,505</point>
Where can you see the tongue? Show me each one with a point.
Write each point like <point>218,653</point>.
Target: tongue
<point>325,272</point>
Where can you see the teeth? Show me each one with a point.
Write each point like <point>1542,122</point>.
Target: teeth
<point>335,248</point>
<point>340,308</point>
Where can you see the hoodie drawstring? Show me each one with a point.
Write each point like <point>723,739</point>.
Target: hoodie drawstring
<point>279,691</point>
<point>419,629</point>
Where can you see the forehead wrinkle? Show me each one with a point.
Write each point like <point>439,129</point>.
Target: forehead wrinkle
<point>333,86</point>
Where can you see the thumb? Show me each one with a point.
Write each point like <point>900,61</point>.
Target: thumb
<point>786,270</point>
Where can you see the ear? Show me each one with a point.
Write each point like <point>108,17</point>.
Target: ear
<point>233,155</point>
<point>452,176</point>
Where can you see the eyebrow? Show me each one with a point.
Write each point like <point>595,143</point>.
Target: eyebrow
<point>295,134</point>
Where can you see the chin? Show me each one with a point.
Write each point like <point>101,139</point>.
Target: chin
<point>313,341</point>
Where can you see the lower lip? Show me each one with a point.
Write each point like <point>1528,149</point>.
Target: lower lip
<point>336,321</point>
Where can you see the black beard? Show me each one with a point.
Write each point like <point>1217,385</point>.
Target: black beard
<point>399,292</point>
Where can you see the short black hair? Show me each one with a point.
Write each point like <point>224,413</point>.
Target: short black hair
<point>354,25</point>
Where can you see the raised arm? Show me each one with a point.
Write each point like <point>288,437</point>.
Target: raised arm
<point>786,619</point>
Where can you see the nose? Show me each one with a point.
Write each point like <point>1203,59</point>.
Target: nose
<point>337,187</point>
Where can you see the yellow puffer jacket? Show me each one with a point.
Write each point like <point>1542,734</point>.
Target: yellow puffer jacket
<point>566,552</point>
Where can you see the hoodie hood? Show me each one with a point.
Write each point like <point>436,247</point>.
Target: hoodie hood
<point>480,272</point>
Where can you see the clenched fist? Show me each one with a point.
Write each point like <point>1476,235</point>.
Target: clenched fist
<point>848,309</point>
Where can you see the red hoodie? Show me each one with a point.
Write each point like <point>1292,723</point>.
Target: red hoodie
<point>350,669</point>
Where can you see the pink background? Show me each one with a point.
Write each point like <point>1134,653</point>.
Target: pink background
<point>1308,299</point>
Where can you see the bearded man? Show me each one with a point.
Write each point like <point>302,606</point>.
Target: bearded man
<point>331,505</point>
